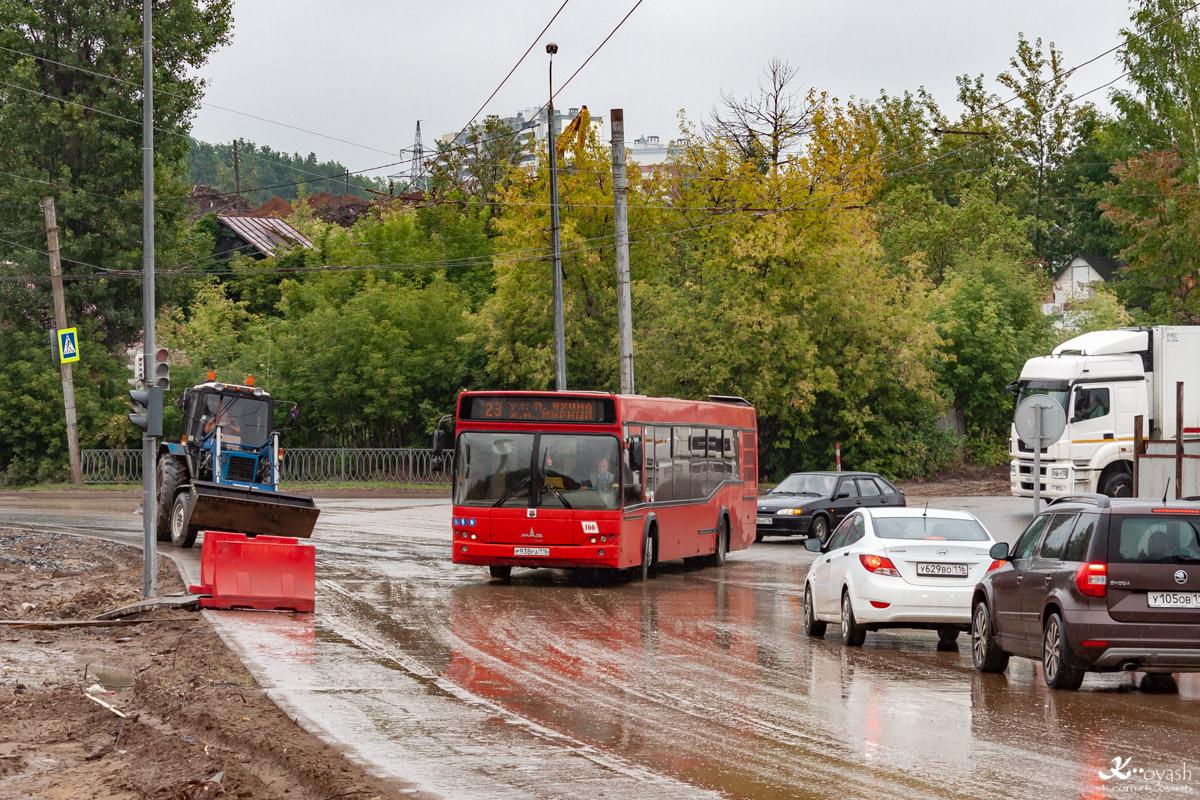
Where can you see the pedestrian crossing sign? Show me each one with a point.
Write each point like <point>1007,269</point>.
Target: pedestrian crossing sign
<point>68,346</point>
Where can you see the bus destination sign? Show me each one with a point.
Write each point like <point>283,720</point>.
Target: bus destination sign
<point>540,409</point>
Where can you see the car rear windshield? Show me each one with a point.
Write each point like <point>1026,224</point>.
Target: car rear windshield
<point>932,528</point>
<point>1156,539</point>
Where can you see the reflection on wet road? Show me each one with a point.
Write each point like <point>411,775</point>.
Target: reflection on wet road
<point>700,683</point>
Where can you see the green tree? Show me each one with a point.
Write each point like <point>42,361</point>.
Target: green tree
<point>70,127</point>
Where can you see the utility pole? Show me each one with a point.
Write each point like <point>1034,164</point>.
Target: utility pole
<point>149,490</point>
<point>560,343</point>
<point>347,182</point>
<point>621,221</point>
<point>60,322</point>
<point>237,178</point>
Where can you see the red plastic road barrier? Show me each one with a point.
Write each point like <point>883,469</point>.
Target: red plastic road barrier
<point>266,573</point>
<point>207,560</point>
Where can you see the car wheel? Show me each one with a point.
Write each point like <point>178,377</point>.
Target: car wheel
<point>182,534</point>
<point>1159,683</point>
<point>500,573</point>
<point>947,639</point>
<point>820,528</point>
<point>853,634</point>
<point>1057,668</point>
<point>986,655</point>
<point>646,572</point>
<point>758,537</point>
<point>812,626</point>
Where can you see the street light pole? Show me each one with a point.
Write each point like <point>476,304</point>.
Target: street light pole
<point>149,490</point>
<point>560,347</point>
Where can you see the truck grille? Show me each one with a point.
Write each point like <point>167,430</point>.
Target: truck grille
<point>1024,448</point>
<point>241,468</point>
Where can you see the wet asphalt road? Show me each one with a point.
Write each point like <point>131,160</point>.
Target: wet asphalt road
<point>700,683</point>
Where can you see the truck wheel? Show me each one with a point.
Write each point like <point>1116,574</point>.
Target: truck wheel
<point>182,534</point>
<point>1117,483</point>
<point>172,473</point>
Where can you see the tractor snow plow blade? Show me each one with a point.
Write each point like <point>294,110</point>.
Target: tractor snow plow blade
<point>222,507</point>
<point>267,573</point>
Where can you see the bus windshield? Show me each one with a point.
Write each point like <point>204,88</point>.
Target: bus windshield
<point>569,470</point>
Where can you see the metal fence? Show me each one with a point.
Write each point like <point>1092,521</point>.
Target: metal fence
<point>303,465</point>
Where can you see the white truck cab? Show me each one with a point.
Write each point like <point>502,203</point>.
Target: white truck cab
<point>1104,380</point>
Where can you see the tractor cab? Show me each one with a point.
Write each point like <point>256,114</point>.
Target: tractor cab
<point>242,414</point>
<point>230,425</point>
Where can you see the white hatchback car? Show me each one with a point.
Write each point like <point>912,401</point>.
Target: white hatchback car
<point>897,568</point>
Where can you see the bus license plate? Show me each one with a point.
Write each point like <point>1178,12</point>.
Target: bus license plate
<point>1173,600</point>
<point>531,551</point>
<point>943,570</point>
<point>764,520</point>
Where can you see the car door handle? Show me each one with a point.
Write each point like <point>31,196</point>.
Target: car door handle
<point>1020,578</point>
<point>1048,579</point>
<point>829,559</point>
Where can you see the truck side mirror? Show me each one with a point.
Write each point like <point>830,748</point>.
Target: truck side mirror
<point>294,417</point>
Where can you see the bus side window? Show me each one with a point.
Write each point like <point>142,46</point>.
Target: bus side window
<point>664,487</point>
<point>632,478</point>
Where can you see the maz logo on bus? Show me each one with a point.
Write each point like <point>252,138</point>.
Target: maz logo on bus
<point>591,527</point>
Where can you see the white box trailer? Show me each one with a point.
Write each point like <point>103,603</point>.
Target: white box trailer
<point>1104,380</point>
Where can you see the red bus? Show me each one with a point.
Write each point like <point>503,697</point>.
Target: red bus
<point>597,480</point>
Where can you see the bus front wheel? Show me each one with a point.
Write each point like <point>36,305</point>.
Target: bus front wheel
<point>647,569</point>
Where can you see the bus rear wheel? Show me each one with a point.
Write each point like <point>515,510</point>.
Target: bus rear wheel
<point>717,558</point>
<point>500,573</point>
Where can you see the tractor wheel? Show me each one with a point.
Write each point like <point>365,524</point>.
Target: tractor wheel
<point>182,534</point>
<point>172,473</point>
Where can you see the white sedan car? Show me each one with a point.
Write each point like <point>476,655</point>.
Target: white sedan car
<point>897,568</point>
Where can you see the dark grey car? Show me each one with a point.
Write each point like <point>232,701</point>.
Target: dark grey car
<point>1095,585</point>
<point>813,503</point>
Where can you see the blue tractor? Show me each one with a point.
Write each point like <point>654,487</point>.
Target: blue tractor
<point>223,473</point>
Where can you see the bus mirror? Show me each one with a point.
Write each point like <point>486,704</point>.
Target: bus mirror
<point>635,454</point>
<point>437,442</point>
<point>294,417</point>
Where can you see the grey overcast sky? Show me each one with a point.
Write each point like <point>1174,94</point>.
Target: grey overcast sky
<point>366,71</point>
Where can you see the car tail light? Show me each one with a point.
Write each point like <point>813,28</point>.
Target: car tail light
<point>879,565</point>
<point>878,604</point>
<point>997,565</point>
<point>1092,579</point>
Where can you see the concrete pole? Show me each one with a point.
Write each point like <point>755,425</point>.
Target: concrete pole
<point>237,180</point>
<point>621,220</point>
<point>149,490</point>
<point>60,322</point>
<point>560,343</point>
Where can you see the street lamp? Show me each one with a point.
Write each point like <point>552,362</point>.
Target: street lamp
<point>560,355</point>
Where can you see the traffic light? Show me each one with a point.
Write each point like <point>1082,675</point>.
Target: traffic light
<point>162,368</point>
<point>147,409</point>
<point>138,367</point>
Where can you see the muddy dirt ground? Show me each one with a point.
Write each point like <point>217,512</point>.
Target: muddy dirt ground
<point>194,724</point>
